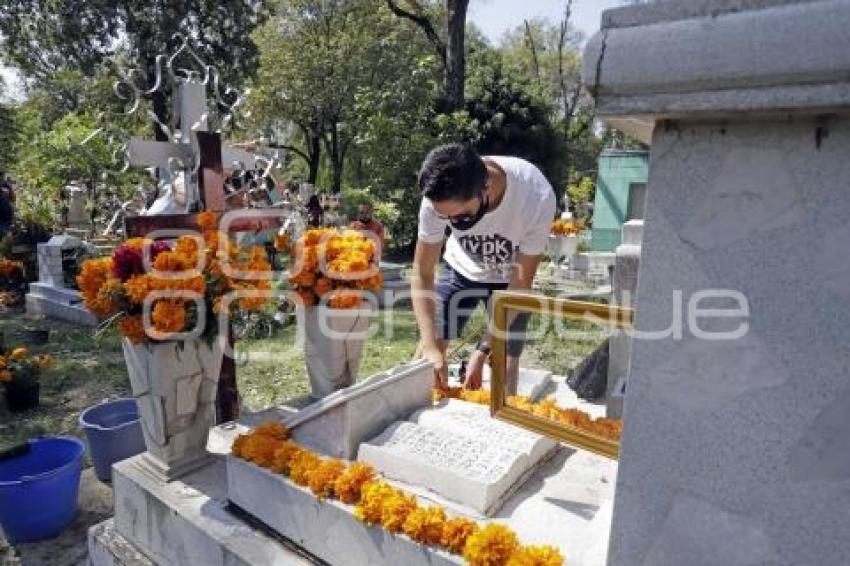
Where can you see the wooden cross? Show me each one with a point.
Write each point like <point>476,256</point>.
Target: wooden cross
<point>206,147</point>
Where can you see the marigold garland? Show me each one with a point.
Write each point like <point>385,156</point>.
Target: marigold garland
<point>115,288</point>
<point>395,509</point>
<point>379,503</point>
<point>336,265</point>
<point>601,426</point>
<point>321,479</point>
<point>492,545</point>
<point>455,533</point>
<point>425,525</point>
<point>300,466</point>
<point>536,556</point>
<point>371,506</point>
<point>350,483</point>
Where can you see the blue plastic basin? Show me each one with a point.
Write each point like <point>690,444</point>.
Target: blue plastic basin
<point>38,490</point>
<point>114,433</point>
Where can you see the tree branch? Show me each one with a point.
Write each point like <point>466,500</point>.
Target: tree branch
<point>425,24</point>
<point>529,39</point>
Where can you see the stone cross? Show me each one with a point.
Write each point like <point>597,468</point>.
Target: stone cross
<point>204,149</point>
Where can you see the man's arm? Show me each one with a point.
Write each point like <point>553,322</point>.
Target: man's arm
<point>425,262</point>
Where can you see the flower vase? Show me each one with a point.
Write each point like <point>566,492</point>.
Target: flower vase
<point>333,346</point>
<point>22,397</point>
<point>562,246</point>
<point>175,386</point>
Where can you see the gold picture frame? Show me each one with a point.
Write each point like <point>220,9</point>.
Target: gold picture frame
<point>526,302</point>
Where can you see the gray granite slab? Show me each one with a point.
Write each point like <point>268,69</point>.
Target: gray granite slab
<point>185,521</point>
<point>716,58</point>
<point>337,424</point>
<point>740,445</point>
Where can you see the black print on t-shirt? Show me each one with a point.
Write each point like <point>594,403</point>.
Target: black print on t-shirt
<point>489,250</point>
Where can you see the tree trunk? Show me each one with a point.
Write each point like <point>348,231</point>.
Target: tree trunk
<point>336,155</point>
<point>455,53</point>
<point>314,154</point>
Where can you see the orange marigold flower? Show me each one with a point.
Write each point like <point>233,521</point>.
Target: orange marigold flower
<point>272,429</point>
<point>284,455</point>
<point>43,361</point>
<point>372,496</point>
<point>425,525</point>
<point>395,510</point>
<point>492,545</point>
<point>238,446</point>
<point>260,449</point>
<point>18,354</point>
<point>303,279</point>
<point>138,287</point>
<point>207,220</point>
<point>169,316</point>
<point>455,532</point>
<point>301,465</point>
<point>133,328</point>
<point>536,556</point>
<point>348,486</point>
<point>345,300</point>
<point>5,376</point>
<point>321,479</point>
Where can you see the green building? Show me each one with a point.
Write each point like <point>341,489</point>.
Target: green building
<point>620,195</point>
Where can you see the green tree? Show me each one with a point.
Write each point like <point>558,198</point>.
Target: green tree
<point>326,67</point>
<point>448,41</point>
<point>45,39</point>
<point>8,130</point>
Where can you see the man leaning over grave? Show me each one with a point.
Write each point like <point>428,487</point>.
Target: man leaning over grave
<point>497,212</point>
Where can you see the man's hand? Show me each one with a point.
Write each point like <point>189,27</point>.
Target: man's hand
<point>474,370</point>
<point>438,360</point>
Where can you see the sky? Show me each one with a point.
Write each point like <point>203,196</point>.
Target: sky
<point>493,18</point>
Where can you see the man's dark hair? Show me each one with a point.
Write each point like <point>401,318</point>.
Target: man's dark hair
<point>452,172</point>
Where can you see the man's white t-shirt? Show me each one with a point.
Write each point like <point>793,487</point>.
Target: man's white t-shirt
<point>520,224</point>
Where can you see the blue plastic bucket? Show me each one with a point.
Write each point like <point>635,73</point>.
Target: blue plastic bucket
<point>38,489</point>
<point>114,433</point>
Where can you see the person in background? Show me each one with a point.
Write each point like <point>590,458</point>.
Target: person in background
<point>315,212</point>
<point>499,212</point>
<point>7,204</point>
<point>366,222</point>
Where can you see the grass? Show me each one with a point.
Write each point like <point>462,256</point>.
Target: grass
<point>84,372</point>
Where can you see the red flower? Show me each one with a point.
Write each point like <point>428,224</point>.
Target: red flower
<point>127,260</point>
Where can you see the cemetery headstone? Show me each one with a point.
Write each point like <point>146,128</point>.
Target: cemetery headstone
<point>735,445</point>
<point>51,295</point>
<point>77,217</point>
<point>623,290</point>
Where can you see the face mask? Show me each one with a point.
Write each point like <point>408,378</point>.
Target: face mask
<point>467,221</point>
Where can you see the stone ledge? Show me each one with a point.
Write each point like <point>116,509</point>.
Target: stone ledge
<point>185,521</point>
<point>326,528</point>
<point>709,65</point>
<point>76,314</point>
<point>673,10</point>
<point>108,548</point>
